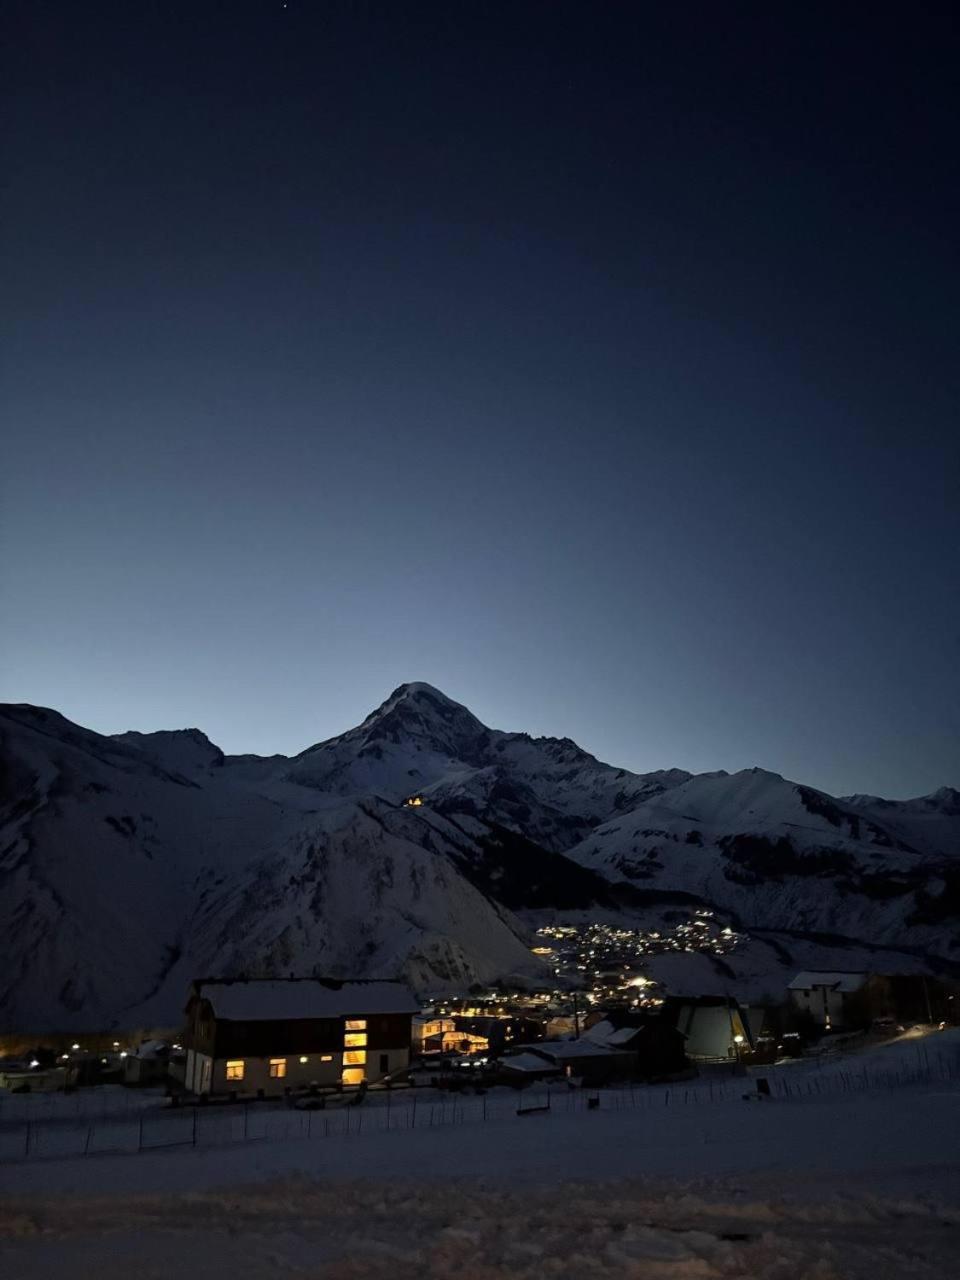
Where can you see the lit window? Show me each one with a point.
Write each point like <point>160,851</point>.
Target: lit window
<point>302,1060</point>
<point>278,1068</point>
<point>356,1024</point>
<point>326,1057</point>
<point>235,1070</point>
<point>354,1057</point>
<point>353,1075</point>
<point>355,1040</point>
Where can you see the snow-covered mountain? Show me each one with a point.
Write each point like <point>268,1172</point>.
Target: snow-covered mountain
<point>781,856</point>
<point>131,864</point>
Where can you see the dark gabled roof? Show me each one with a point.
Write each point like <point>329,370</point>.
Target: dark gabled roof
<point>292,999</point>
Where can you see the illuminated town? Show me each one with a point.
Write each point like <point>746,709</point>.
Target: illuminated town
<point>609,961</point>
<point>596,967</point>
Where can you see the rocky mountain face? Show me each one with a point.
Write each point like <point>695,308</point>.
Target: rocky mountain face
<point>131,864</point>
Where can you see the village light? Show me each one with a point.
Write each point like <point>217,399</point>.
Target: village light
<point>34,1063</point>
<point>123,1053</point>
<point>302,1060</point>
<point>74,1046</point>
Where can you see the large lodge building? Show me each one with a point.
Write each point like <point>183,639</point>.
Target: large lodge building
<point>257,1037</point>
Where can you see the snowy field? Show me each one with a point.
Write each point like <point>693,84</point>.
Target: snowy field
<point>813,1185</point>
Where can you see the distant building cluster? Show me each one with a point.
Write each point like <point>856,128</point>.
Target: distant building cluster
<point>609,961</point>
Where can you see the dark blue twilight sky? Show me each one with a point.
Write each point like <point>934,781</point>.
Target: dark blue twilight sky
<point>594,362</point>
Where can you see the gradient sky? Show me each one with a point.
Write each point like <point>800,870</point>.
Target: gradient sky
<point>596,363</point>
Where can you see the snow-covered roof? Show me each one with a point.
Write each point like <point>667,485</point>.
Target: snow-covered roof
<point>525,1062</point>
<point>560,1050</point>
<point>811,978</point>
<point>621,1037</point>
<point>266,1000</point>
<point>152,1049</point>
<point>607,1036</point>
<point>600,1032</point>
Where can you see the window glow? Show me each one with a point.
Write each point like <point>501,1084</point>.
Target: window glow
<point>353,1075</point>
<point>355,1040</point>
<point>354,1057</point>
<point>235,1069</point>
<point>356,1024</point>
<point>278,1068</point>
<point>326,1057</point>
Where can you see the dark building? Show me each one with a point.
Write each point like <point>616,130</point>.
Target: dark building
<point>620,1047</point>
<point>253,1037</point>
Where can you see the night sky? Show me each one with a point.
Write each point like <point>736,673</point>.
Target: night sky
<point>596,363</point>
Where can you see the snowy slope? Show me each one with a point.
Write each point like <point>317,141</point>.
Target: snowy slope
<point>782,856</point>
<point>128,865</point>
<point>121,879</point>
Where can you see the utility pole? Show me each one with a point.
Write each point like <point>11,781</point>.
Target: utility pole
<point>576,1018</point>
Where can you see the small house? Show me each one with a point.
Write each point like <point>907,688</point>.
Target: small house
<point>657,1046</point>
<point>148,1064</point>
<point>261,1037</point>
<point>429,1033</point>
<point>445,1035</point>
<point>527,1066</point>
<point>30,1077</point>
<point>829,997</point>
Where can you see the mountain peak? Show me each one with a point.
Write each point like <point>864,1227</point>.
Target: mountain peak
<point>421,703</point>
<point>417,691</point>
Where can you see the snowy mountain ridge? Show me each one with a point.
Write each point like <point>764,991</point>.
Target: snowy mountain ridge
<point>128,864</point>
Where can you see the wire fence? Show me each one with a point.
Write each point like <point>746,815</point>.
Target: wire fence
<point>215,1125</point>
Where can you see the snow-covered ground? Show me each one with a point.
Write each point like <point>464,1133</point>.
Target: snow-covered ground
<point>846,1184</point>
